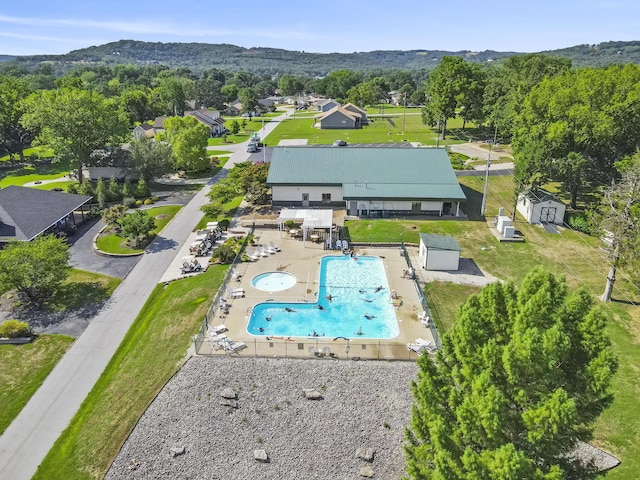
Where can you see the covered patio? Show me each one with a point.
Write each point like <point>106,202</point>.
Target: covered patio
<point>308,222</point>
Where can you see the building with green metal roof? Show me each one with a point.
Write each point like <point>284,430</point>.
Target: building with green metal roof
<point>367,181</point>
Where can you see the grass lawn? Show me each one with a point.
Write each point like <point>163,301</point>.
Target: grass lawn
<point>213,153</point>
<point>35,152</point>
<point>230,207</point>
<point>47,171</point>
<point>151,352</point>
<point>23,369</point>
<point>572,254</point>
<point>83,288</point>
<point>112,243</point>
<point>381,130</point>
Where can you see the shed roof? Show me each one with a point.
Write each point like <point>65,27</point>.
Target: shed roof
<point>369,172</point>
<point>27,212</point>
<point>539,196</point>
<point>439,242</point>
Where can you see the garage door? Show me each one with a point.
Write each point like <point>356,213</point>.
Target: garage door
<point>548,214</point>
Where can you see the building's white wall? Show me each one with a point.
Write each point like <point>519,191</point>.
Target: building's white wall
<point>294,193</point>
<point>442,260</point>
<point>431,206</point>
<point>531,211</point>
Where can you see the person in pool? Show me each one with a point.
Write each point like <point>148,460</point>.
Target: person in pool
<point>320,307</point>
<point>261,329</point>
<point>329,297</point>
<point>287,309</point>
<point>369,317</point>
<point>268,319</point>
<point>378,288</point>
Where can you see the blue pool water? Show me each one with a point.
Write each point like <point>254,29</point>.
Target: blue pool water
<point>358,308</point>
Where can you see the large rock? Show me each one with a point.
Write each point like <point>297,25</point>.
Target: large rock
<point>312,394</point>
<point>366,471</point>
<point>175,451</point>
<point>261,456</point>
<point>229,402</point>
<point>229,393</point>
<point>365,454</point>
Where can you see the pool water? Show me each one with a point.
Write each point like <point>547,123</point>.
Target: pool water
<point>274,281</point>
<point>356,301</point>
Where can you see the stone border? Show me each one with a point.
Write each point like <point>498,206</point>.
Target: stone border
<point>16,341</point>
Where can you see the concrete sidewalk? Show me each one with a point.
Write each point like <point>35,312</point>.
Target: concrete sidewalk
<point>25,443</point>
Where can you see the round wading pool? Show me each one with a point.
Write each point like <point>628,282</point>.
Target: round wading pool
<point>274,281</point>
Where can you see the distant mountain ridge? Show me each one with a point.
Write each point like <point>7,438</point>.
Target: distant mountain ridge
<point>200,56</point>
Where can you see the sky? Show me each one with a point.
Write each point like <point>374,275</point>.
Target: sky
<point>29,27</point>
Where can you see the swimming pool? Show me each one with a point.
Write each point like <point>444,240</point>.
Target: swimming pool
<point>355,298</point>
<point>274,281</point>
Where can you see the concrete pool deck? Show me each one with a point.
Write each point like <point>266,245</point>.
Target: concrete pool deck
<point>302,259</point>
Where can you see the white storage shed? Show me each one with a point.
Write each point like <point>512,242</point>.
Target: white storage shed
<point>539,206</point>
<point>439,252</point>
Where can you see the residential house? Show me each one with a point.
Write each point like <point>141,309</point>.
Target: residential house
<point>232,110</point>
<point>366,181</point>
<point>210,118</point>
<point>357,111</point>
<point>144,130</point>
<point>26,213</point>
<point>326,104</point>
<point>338,118</point>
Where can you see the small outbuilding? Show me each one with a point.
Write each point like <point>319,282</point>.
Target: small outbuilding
<point>439,252</point>
<point>540,206</point>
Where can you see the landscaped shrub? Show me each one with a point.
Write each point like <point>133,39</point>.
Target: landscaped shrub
<point>113,191</point>
<point>224,223</point>
<point>148,201</point>
<point>15,329</point>
<point>129,202</point>
<point>581,223</point>
<point>224,253</point>
<point>142,188</point>
<point>127,189</point>
<point>139,203</point>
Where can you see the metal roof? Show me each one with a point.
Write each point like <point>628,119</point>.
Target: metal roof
<point>27,212</point>
<point>439,242</point>
<point>369,173</point>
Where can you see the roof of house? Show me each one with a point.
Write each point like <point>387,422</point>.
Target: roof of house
<point>539,196</point>
<point>369,172</point>
<point>354,108</point>
<point>27,212</point>
<point>439,242</point>
<point>326,101</point>
<point>207,117</point>
<point>338,110</point>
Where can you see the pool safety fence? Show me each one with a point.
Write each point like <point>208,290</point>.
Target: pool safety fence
<point>420,286</point>
<point>321,349</point>
<point>218,305</point>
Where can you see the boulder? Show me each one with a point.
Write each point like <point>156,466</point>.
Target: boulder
<point>175,451</point>
<point>261,456</point>
<point>229,393</point>
<point>365,454</point>
<point>366,471</point>
<point>312,394</point>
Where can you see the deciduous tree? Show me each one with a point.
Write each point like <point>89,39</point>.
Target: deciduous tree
<point>188,138</point>
<point>618,221</point>
<point>150,158</point>
<point>36,268</point>
<point>75,122</point>
<point>519,380</point>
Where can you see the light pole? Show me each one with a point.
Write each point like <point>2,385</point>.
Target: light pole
<point>486,174</point>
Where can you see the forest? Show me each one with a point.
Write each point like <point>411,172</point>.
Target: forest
<point>202,56</point>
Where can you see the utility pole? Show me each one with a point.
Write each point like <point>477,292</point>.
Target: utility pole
<point>486,175</point>
<point>404,113</point>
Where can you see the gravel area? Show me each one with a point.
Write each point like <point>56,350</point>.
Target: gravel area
<point>363,405</point>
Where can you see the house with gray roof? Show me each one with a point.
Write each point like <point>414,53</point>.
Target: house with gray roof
<point>26,212</point>
<point>326,104</point>
<point>210,118</point>
<point>338,118</point>
<point>354,109</point>
<point>366,181</point>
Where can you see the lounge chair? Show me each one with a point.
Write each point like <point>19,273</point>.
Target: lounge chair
<point>421,345</point>
<point>253,255</point>
<point>218,329</point>
<point>269,250</point>
<point>235,292</point>
<point>235,275</point>
<point>274,247</point>
<point>261,251</point>
<point>234,347</point>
